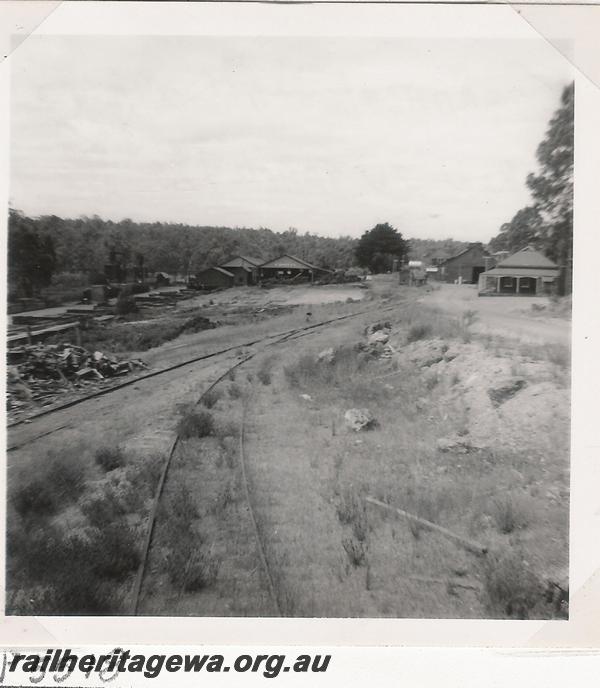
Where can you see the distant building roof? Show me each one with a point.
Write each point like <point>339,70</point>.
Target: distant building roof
<point>242,262</point>
<point>287,262</point>
<point>438,254</point>
<point>470,247</point>
<point>527,258</point>
<point>221,270</point>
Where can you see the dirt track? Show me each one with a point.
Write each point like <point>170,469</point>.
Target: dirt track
<point>508,315</point>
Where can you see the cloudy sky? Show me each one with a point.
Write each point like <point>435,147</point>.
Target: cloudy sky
<point>329,135</point>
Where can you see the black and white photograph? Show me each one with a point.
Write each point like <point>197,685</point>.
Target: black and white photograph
<point>289,326</point>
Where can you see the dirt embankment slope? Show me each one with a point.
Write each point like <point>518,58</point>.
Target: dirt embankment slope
<point>470,436</point>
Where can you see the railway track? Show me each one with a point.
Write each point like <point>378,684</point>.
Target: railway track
<point>147,545</point>
<point>259,345</point>
<point>139,580</point>
<point>271,340</point>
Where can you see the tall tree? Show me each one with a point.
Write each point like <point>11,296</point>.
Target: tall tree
<point>377,248</point>
<point>552,187</point>
<point>548,222</point>
<point>521,231</point>
<point>31,255</point>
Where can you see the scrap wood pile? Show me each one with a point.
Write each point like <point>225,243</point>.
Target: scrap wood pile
<point>37,372</point>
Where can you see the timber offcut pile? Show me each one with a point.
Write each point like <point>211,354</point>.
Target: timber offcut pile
<point>38,372</point>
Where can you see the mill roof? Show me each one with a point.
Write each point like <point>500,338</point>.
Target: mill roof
<point>241,262</point>
<point>288,261</point>
<point>221,270</point>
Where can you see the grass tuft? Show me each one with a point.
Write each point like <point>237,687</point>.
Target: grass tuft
<point>110,458</point>
<point>419,331</point>
<point>235,391</point>
<point>210,398</point>
<point>71,572</point>
<point>355,551</point>
<point>510,513</point>
<point>307,370</point>
<point>511,589</point>
<point>201,571</point>
<point>57,482</point>
<point>264,376</point>
<point>196,424</point>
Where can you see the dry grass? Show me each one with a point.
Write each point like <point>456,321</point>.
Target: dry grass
<point>76,557</point>
<point>355,550</point>
<point>419,331</point>
<point>511,588</point>
<point>70,572</point>
<point>110,457</point>
<point>56,482</point>
<point>307,371</point>
<point>210,398</point>
<point>265,370</point>
<point>195,423</point>
<point>427,322</point>
<point>235,391</point>
<point>188,562</point>
<point>511,512</point>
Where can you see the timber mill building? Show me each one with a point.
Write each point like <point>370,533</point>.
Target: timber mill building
<point>245,271</point>
<point>465,267</point>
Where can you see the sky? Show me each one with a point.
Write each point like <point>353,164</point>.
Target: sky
<point>328,135</point>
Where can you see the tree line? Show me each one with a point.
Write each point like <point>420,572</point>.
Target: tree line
<point>41,248</point>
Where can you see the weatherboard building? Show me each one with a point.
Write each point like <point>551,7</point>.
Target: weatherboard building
<point>526,273</point>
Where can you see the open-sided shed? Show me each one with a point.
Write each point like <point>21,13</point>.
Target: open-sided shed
<point>289,267</point>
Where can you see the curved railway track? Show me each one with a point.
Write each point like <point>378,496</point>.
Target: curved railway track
<point>281,338</point>
<point>137,589</point>
<point>276,339</point>
<point>269,341</point>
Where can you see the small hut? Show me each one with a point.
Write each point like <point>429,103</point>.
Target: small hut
<point>213,278</point>
<point>243,268</point>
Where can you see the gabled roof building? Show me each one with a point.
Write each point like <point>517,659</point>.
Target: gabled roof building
<point>465,267</point>
<point>287,266</point>
<point>243,268</point>
<point>213,278</point>
<point>526,273</point>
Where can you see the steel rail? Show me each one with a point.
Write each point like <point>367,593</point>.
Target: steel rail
<point>181,364</point>
<point>138,583</point>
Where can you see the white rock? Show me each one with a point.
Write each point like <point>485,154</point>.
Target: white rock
<point>359,419</point>
<point>379,337</point>
<point>326,356</point>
